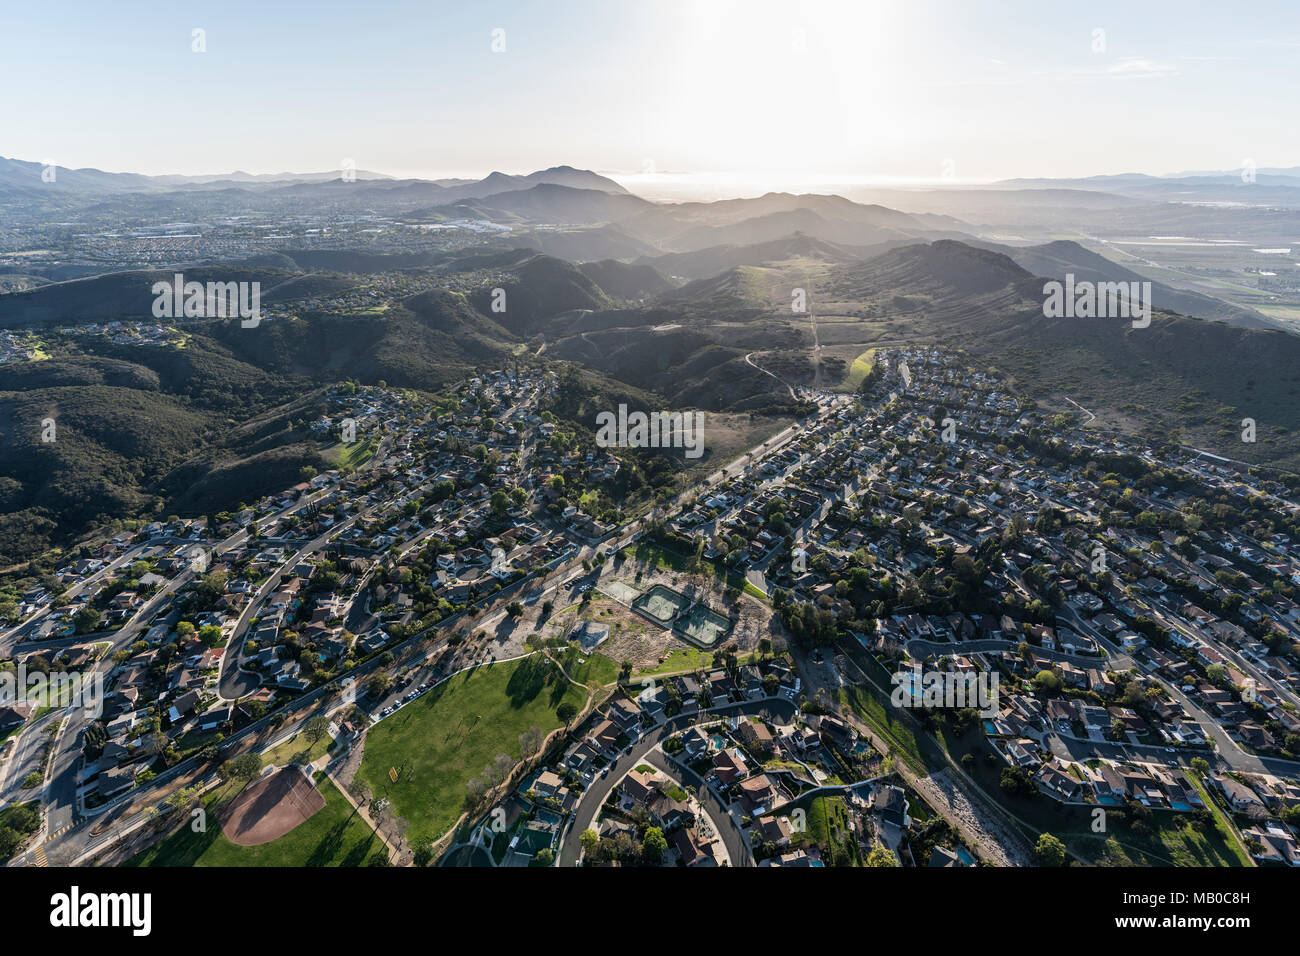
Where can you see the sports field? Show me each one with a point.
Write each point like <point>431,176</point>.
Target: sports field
<point>334,836</point>
<point>703,626</point>
<point>620,591</point>
<point>661,603</point>
<point>441,741</point>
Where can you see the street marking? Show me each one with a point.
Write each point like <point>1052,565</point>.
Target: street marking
<point>39,856</point>
<point>58,833</point>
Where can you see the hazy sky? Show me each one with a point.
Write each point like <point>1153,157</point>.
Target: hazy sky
<point>750,90</point>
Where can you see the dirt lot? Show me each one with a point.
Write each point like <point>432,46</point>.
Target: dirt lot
<point>270,807</point>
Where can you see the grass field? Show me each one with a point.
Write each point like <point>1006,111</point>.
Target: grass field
<point>351,456</point>
<point>1170,843</point>
<point>336,836</point>
<point>901,739</point>
<point>296,750</point>
<point>684,660</point>
<point>859,370</point>
<point>594,671</point>
<point>442,740</point>
<point>679,659</point>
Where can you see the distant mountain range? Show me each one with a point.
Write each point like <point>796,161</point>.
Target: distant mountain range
<point>18,177</point>
<point>581,216</point>
<point>1245,184</point>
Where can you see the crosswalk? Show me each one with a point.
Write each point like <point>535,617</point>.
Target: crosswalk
<point>38,855</point>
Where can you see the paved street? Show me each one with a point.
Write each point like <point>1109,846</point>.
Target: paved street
<point>594,797</point>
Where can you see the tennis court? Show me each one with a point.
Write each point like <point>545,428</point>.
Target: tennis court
<point>703,626</point>
<point>662,604</point>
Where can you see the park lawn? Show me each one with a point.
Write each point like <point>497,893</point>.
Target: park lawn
<point>336,836</point>
<point>441,741</point>
<point>685,660</point>
<point>297,750</point>
<point>679,660</point>
<point>596,670</point>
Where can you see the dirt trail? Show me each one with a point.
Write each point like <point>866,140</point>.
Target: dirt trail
<point>969,811</point>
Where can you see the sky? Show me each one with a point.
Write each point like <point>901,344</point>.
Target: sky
<point>784,94</point>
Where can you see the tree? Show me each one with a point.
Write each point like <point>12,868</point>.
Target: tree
<point>1015,782</point>
<point>9,842</point>
<point>589,839</point>
<point>316,728</point>
<point>86,620</point>
<point>244,767</point>
<point>515,609</point>
<point>545,857</point>
<point>1049,851</point>
<point>626,847</point>
<point>880,855</point>
<point>1047,681</point>
<point>184,799</point>
<point>379,685</point>
<point>566,712</point>
<point>654,845</point>
<point>530,741</point>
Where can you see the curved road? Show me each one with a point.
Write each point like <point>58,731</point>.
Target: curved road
<point>728,825</point>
